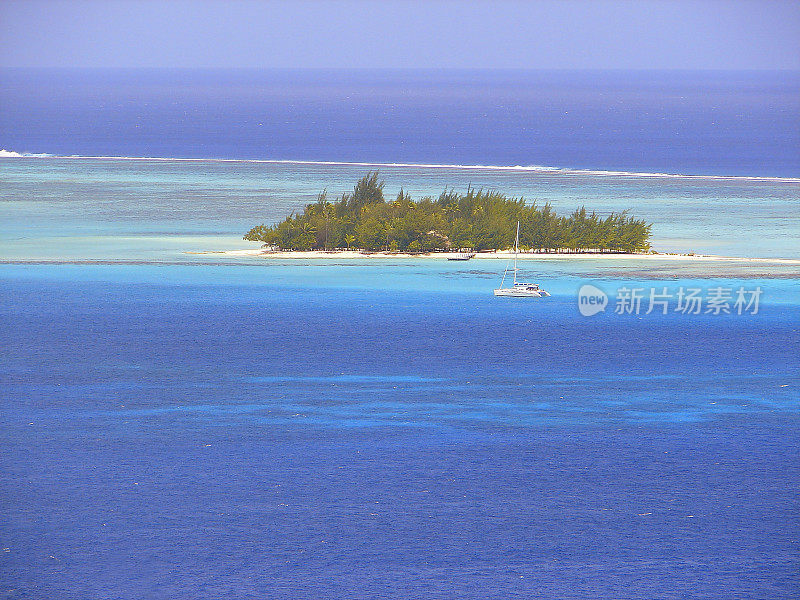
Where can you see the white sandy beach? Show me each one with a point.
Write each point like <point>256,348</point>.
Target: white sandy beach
<point>505,255</point>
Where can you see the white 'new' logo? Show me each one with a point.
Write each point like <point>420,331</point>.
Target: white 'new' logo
<point>591,300</point>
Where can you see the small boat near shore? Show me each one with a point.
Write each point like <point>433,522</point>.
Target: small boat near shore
<point>461,256</point>
<point>519,289</point>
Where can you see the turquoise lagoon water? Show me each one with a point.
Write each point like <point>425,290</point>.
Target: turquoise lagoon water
<point>122,209</point>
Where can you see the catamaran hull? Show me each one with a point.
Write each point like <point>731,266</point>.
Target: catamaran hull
<point>520,293</point>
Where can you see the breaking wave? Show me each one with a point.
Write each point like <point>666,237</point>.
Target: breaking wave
<point>515,168</point>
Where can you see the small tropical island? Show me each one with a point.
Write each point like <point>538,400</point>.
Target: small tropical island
<point>476,221</point>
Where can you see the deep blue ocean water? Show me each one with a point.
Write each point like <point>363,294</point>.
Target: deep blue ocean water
<point>299,432</point>
<point>243,436</point>
<point>180,425</point>
<point>706,123</point>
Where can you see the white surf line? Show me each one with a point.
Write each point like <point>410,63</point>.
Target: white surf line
<point>515,168</point>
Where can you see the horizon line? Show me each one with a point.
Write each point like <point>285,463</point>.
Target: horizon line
<point>386,68</point>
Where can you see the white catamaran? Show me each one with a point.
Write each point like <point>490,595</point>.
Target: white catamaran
<point>519,290</point>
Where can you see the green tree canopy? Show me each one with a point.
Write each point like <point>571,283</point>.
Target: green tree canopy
<point>476,220</point>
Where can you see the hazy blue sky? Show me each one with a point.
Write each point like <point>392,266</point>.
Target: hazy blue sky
<point>709,34</point>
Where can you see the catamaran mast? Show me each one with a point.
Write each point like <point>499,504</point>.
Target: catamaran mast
<point>516,249</point>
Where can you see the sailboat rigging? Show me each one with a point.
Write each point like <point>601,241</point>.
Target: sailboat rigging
<point>518,289</point>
